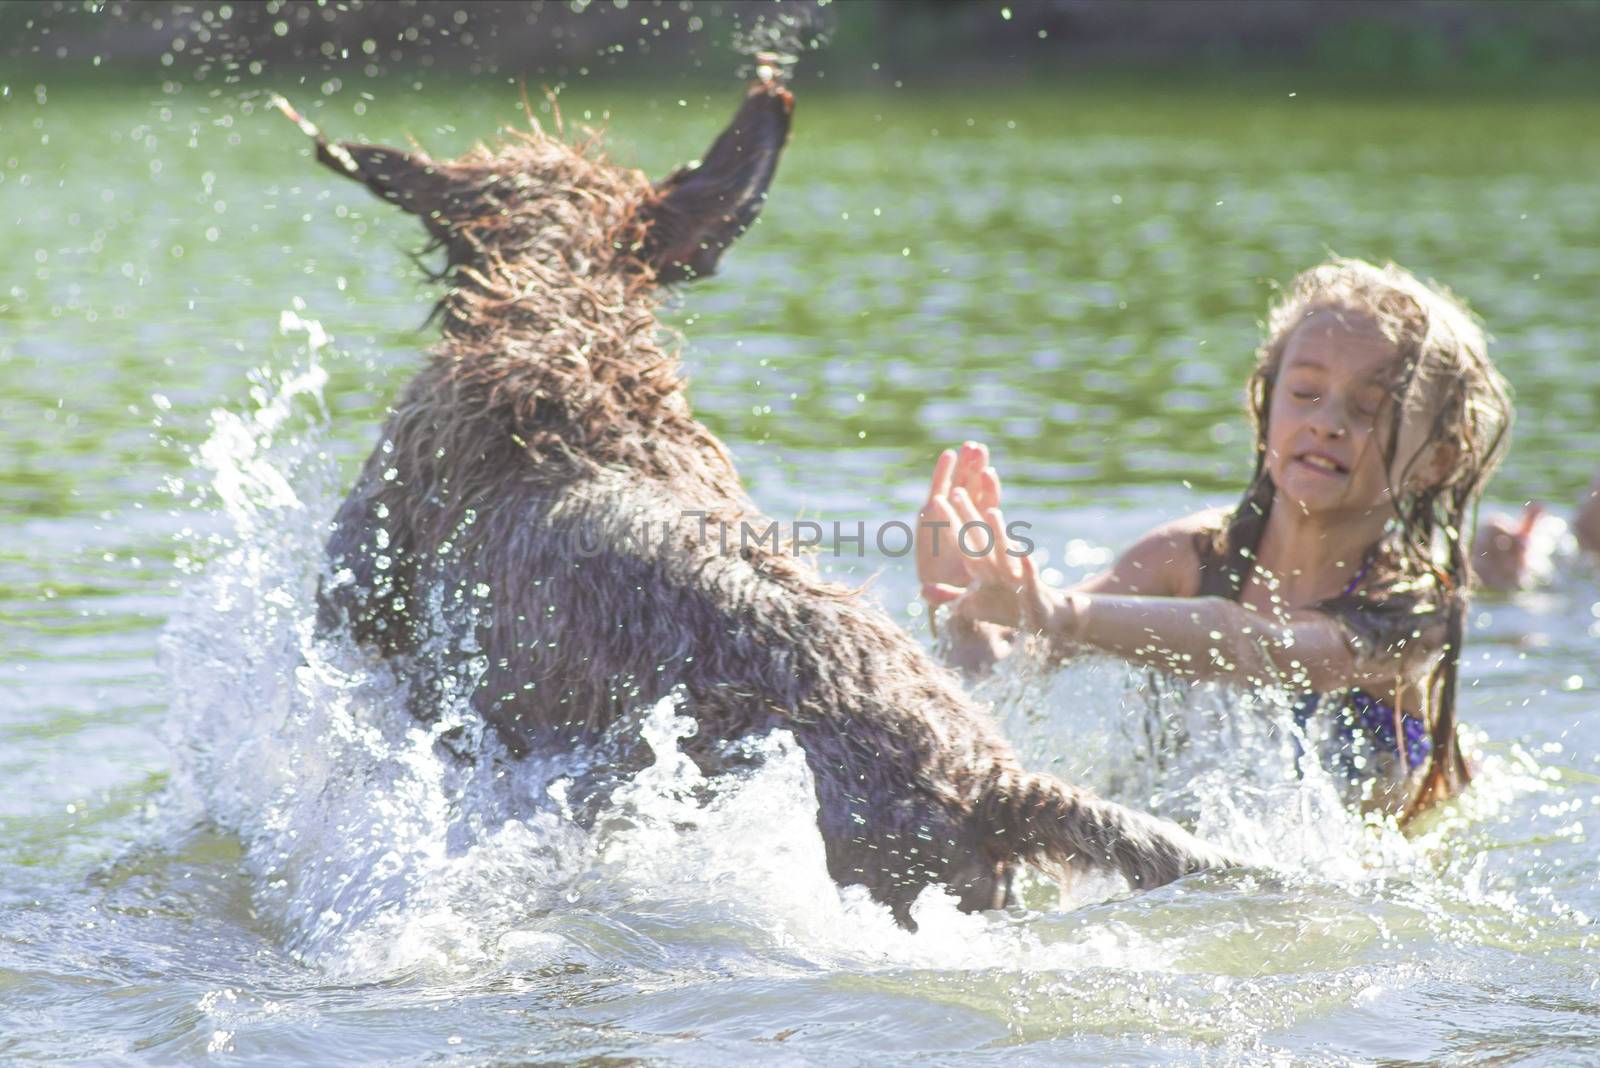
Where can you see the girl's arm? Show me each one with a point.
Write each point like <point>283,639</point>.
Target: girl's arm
<point>1211,638</point>
<point>1162,563</point>
<point>1202,637</point>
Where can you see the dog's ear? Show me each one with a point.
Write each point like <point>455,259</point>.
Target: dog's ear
<point>406,179</point>
<point>409,180</point>
<point>700,209</point>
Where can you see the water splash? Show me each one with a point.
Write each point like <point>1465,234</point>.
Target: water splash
<point>375,851</point>
<point>776,38</point>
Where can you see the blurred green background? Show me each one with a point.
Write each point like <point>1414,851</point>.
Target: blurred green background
<point>1055,225</point>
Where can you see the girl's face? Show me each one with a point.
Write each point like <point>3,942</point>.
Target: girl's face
<point>1329,417</point>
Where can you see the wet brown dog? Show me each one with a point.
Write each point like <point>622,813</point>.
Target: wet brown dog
<point>492,547</point>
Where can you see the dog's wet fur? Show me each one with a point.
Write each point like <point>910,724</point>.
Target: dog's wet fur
<point>491,543</point>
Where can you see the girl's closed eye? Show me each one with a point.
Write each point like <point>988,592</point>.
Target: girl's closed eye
<point>1369,403</point>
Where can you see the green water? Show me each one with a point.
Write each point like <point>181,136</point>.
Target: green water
<point>1072,274</point>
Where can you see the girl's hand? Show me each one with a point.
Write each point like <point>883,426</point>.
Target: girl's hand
<point>939,559</point>
<point>1004,588</point>
<point>1500,550</point>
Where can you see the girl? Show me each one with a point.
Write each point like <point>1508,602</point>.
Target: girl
<point>1341,575</point>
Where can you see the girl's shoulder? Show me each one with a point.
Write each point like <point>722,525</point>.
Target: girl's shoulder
<point>1167,560</point>
<point>1208,521</point>
<point>1187,530</point>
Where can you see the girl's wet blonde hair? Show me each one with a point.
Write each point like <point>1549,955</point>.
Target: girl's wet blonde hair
<point>1442,374</point>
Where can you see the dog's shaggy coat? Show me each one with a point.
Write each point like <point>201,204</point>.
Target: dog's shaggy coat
<point>492,545</point>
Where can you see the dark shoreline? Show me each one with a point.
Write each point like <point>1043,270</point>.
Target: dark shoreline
<point>1355,47</point>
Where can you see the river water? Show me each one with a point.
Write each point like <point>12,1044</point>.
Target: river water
<point>222,840</point>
